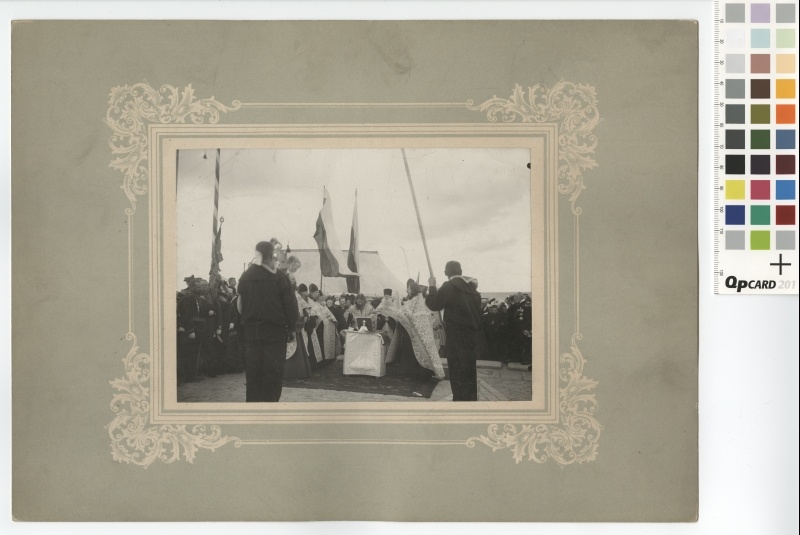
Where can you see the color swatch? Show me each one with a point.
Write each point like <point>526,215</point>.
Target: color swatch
<point>756,145</point>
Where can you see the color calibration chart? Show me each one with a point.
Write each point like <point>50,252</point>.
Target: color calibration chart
<point>755,248</point>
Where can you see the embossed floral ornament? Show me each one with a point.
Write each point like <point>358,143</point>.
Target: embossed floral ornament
<point>573,439</point>
<point>133,439</point>
<point>573,107</point>
<point>132,107</point>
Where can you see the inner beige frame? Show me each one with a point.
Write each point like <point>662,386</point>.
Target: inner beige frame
<point>539,139</point>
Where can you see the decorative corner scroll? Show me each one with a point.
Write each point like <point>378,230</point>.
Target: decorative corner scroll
<point>573,107</point>
<point>132,107</point>
<point>574,439</point>
<point>133,439</point>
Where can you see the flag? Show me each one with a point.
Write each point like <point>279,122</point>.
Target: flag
<point>330,253</point>
<point>353,283</point>
<point>218,245</point>
<point>216,228</point>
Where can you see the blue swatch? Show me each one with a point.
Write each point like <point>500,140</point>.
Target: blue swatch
<point>785,139</point>
<point>784,190</point>
<point>734,214</point>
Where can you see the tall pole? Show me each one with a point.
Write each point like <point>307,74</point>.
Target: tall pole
<point>214,264</point>
<point>320,252</point>
<point>419,221</point>
<point>416,208</point>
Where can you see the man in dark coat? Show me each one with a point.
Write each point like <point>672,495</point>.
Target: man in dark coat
<point>209,311</point>
<point>519,328</point>
<point>526,325</point>
<point>494,325</point>
<point>212,346</point>
<point>234,350</point>
<point>268,309</point>
<point>198,326</point>
<point>191,326</point>
<point>461,302</point>
<point>224,329</point>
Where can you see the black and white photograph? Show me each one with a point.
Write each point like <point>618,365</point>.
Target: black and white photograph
<point>353,274</point>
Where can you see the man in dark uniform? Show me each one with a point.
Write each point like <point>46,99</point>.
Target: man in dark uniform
<point>519,328</point>
<point>268,309</point>
<point>526,323</point>
<point>461,302</point>
<point>234,350</point>
<point>220,295</point>
<point>189,321</point>
<point>196,329</point>
<point>209,311</point>
<point>494,325</point>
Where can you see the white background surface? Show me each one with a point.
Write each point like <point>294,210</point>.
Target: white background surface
<point>748,344</point>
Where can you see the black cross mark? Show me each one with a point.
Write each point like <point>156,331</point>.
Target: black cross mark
<point>780,263</point>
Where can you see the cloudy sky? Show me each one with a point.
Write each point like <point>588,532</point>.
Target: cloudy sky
<point>474,204</point>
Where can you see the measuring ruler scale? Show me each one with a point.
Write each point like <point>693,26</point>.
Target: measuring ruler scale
<point>755,137</point>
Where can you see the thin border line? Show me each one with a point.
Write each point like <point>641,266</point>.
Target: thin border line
<point>545,415</point>
<point>270,105</point>
<point>354,441</point>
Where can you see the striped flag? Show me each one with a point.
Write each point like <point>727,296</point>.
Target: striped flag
<point>216,229</point>
<point>330,253</point>
<point>218,244</point>
<point>353,283</point>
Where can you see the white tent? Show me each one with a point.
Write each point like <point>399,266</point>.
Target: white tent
<point>374,274</point>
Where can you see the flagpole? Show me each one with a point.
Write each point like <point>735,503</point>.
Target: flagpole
<point>214,264</point>
<point>353,251</point>
<point>321,276</point>
<point>416,209</point>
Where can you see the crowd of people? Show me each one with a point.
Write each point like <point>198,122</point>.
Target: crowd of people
<point>274,329</point>
<point>210,342</point>
<point>208,329</point>
<point>507,329</point>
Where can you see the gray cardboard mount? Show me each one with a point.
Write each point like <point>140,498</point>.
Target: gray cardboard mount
<point>79,289</point>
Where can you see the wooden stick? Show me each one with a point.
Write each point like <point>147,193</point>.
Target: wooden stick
<point>419,221</point>
<point>416,208</point>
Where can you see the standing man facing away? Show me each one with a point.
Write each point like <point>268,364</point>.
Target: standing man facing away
<point>268,309</point>
<point>461,302</point>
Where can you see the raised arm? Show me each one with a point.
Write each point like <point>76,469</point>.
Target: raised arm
<point>439,298</point>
